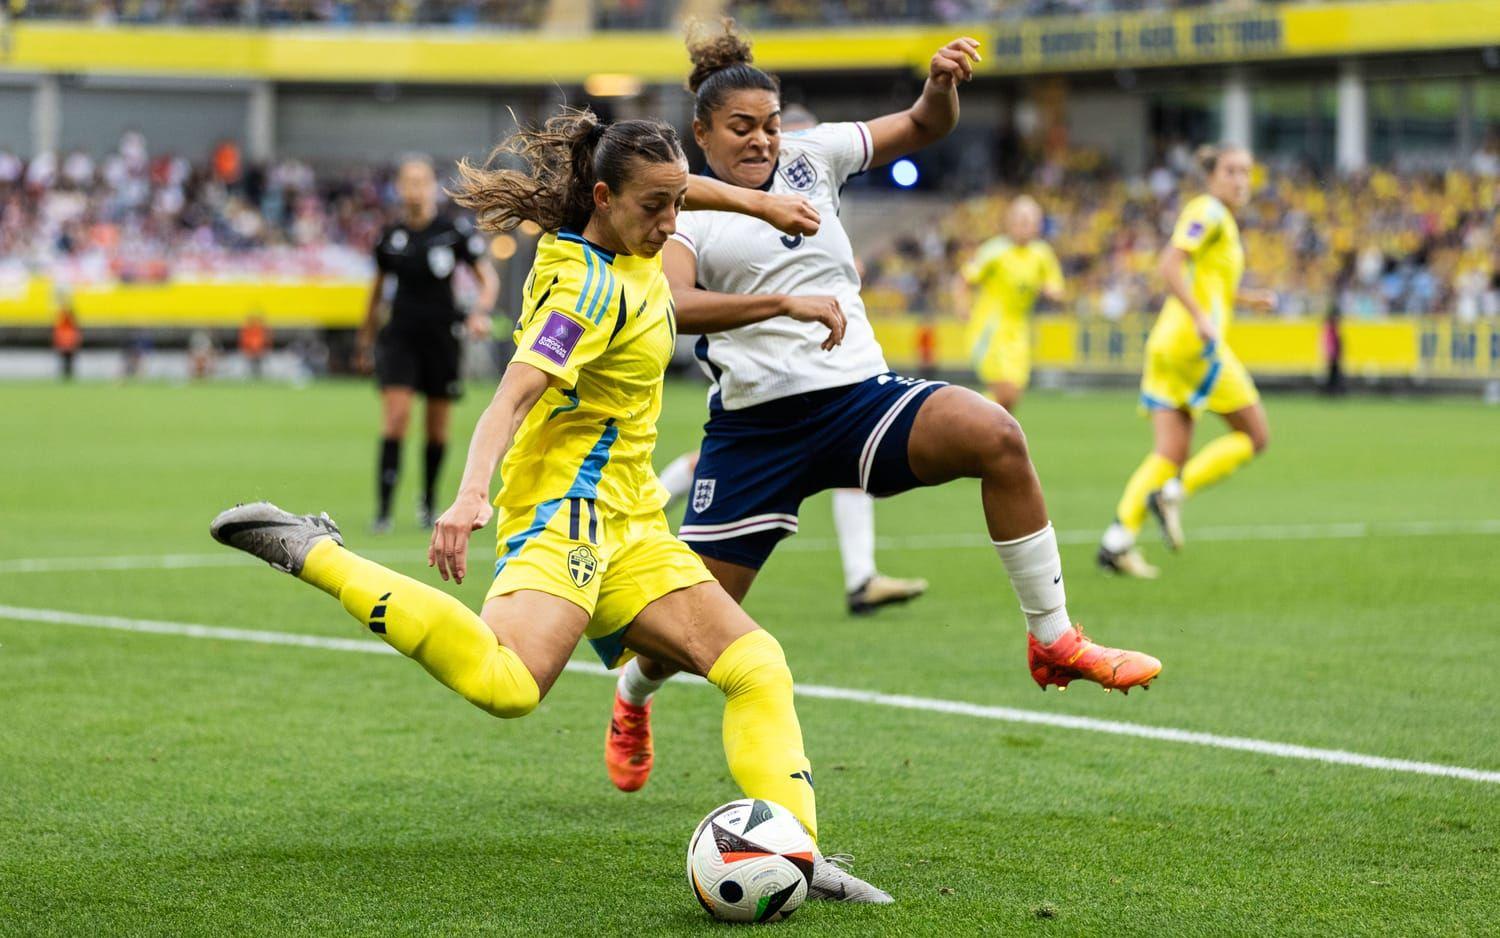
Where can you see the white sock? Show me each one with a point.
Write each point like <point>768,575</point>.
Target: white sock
<point>634,686</point>
<point>1171,490</point>
<point>1036,575</point>
<point>1118,539</point>
<point>854,519</point>
<point>678,476</point>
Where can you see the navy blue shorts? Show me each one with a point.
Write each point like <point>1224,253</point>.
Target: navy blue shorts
<point>757,464</point>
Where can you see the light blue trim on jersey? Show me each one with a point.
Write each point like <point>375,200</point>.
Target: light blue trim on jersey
<point>599,305</point>
<point>585,485</point>
<point>1206,387</point>
<point>598,284</point>
<point>588,281</point>
<point>539,522</point>
<point>605,254</point>
<point>572,395</point>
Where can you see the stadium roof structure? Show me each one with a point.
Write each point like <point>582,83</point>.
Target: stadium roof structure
<point>435,55</point>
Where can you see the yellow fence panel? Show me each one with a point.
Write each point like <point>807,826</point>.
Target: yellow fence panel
<point>1433,347</point>
<point>331,304</point>
<point>1258,31</point>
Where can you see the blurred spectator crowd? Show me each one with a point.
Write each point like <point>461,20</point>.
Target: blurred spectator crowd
<point>607,14</point>
<point>133,216</point>
<point>1373,244</point>
<point>825,12</point>
<point>1367,245</point>
<point>505,14</point>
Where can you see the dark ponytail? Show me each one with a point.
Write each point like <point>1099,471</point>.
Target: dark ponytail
<point>564,159</point>
<point>721,65</point>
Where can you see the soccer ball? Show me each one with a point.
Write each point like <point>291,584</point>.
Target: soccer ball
<point>750,861</point>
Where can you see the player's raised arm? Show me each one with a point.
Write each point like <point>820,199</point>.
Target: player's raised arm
<point>520,389</point>
<point>935,113</point>
<point>789,214</point>
<point>702,311</point>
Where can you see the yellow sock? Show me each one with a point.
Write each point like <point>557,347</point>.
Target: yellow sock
<point>1150,475</point>
<point>762,738</point>
<point>1216,461</point>
<point>427,625</point>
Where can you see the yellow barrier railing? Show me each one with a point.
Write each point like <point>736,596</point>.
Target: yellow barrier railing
<point>1259,31</point>
<point>334,304</point>
<point>1431,346</point>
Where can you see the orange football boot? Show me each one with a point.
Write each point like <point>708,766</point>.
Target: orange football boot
<point>1074,656</point>
<point>627,745</point>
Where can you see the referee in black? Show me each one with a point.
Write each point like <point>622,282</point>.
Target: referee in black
<point>418,350</point>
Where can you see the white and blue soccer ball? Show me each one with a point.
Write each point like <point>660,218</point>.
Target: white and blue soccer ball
<point>750,861</point>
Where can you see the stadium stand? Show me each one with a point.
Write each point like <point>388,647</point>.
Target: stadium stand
<point>1370,244</point>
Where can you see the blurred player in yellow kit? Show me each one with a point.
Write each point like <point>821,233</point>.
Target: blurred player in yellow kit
<point>1009,273</point>
<point>584,548</point>
<point>1191,368</point>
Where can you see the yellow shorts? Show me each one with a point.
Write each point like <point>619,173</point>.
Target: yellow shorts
<point>1219,384</point>
<point>610,565</point>
<point>1003,356</point>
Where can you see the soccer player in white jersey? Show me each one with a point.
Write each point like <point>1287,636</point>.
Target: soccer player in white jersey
<point>803,400</point>
<point>866,589</point>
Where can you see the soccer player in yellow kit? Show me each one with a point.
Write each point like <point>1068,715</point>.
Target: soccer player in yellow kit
<point>1009,273</point>
<point>1191,368</point>
<point>584,548</point>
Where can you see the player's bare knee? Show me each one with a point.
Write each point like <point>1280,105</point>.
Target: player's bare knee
<point>1002,444</point>
<point>1260,438</point>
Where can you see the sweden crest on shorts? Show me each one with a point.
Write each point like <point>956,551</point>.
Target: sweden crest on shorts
<point>581,565</point>
<point>799,174</point>
<point>703,494</point>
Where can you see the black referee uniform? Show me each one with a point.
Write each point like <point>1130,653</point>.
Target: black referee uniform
<point>420,347</point>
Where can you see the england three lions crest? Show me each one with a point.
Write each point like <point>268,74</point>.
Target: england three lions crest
<point>703,494</point>
<point>799,174</point>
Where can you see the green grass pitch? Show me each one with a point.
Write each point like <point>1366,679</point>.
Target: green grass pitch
<point>161,784</point>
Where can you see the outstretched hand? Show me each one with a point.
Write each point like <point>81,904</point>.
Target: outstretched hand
<point>823,309</point>
<point>954,62</point>
<point>449,548</point>
<point>1262,301</point>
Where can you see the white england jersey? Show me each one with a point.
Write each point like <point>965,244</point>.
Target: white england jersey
<point>743,255</point>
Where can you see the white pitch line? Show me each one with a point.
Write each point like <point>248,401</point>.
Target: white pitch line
<point>224,558</point>
<point>1339,530</point>
<point>943,541</point>
<point>873,698</point>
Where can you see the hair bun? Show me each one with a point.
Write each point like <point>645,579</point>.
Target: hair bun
<point>713,50</point>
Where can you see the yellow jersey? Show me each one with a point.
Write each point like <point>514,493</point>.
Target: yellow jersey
<point>602,326</point>
<point>1009,277</point>
<point>1206,232</point>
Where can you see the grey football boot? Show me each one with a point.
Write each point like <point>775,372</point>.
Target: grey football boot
<point>832,882</point>
<point>278,537</point>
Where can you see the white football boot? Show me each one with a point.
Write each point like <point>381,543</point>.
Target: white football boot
<point>832,882</point>
<point>1166,507</point>
<point>881,590</point>
<point>278,537</point>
